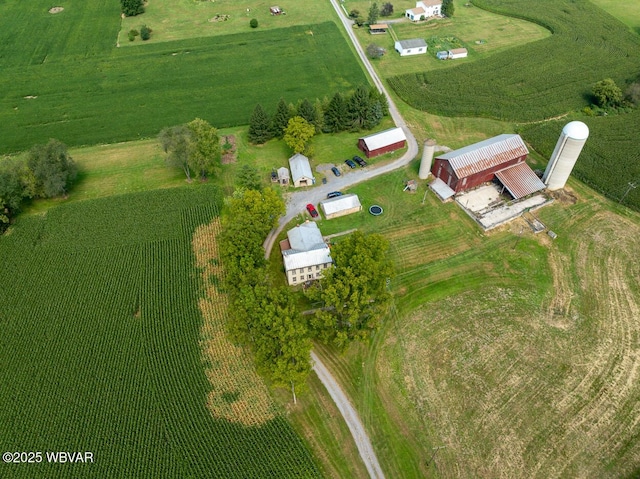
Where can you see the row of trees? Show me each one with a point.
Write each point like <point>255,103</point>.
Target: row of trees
<point>47,172</point>
<point>262,317</point>
<point>363,109</point>
<point>192,147</point>
<point>374,13</point>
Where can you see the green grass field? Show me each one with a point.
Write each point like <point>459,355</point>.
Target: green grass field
<point>627,12</point>
<point>59,81</point>
<point>100,314</point>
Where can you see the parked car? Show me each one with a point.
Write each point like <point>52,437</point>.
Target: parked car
<point>324,180</point>
<point>360,161</point>
<point>312,210</point>
<point>334,194</point>
<point>350,163</point>
<point>336,171</point>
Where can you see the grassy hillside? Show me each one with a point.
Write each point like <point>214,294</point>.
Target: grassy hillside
<point>108,352</point>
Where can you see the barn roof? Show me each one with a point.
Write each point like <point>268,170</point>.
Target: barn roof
<point>412,43</point>
<point>340,203</point>
<point>384,138</point>
<point>520,180</point>
<point>300,167</point>
<point>484,155</point>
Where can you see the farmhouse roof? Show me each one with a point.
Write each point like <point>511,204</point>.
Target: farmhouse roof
<point>485,154</point>
<point>340,203</point>
<point>430,3</point>
<point>300,167</point>
<point>412,43</point>
<point>520,180</point>
<point>384,138</point>
<point>418,11</point>
<point>305,236</point>
<point>301,259</point>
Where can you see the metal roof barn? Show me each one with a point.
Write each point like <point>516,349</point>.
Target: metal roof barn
<point>301,170</point>
<point>340,206</point>
<point>520,180</point>
<point>382,142</point>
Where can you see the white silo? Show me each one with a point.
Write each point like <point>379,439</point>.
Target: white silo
<point>564,157</point>
<point>427,159</point>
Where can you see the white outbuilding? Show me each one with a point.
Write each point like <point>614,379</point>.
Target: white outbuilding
<point>413,46</point>
<point>301,174</point>
<point>340,206</point>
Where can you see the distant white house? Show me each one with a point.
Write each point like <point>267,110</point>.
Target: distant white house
<point>305,254</point>
<point>340,206</point>
<point>424,10</point>
<point>301,174</point>
<point>413,46</point>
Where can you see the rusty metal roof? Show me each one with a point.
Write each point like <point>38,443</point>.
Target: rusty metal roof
<point>485,154</point>
<point>520,180</point>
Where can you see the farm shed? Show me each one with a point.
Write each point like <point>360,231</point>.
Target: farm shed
<point>475,164</point>
<point>301,171</point>
<point>457,53</point>
<point>283,176</point>
<point>304,253</point>
<point>382,142</point>
<point>413,46</point>
<point>378,28</point>
<point>442,55</point>
<point>340,206</point>
<point>424,9</point>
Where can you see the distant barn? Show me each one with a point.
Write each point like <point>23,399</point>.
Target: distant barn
<point>382,142</point>
<point>501,157</point>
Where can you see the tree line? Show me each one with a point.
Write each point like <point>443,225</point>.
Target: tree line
<point>361,110</point>
<point>47,172</point>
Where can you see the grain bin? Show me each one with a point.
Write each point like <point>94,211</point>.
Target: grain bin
<point>427,159</point>
<point>564,157</point>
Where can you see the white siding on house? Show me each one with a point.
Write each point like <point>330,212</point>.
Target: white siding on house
<point>424,9</point>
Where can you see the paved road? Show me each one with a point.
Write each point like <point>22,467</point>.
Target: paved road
<point>351,418</point>
<point>296,203</point>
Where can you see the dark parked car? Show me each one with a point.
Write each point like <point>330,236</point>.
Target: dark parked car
<point>350,163</point>
<point>312,210</point>
<point>336,171</point>
<point>334,194</point>
<point>360,161</point>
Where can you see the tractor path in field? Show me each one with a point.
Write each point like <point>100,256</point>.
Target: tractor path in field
<point>350,416</point>
<point>296,202</point>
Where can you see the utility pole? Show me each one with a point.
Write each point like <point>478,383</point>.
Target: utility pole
<point>633,185</point>
<point>435,449</point>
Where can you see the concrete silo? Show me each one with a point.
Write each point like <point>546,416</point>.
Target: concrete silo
<point>564,157</point>
<point>427,159</point>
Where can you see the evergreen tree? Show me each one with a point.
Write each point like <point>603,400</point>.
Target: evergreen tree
<point>318,121</point>
<point>259,126</point>
<point>281,118</point>
<point>359,107</point>
<point>374,13</point>
<point>336,116</point>
<point>305,110</point>
<point>448,8</point>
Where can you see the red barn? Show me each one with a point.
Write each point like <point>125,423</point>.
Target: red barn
<point>479,163</point>
<point>383,142</point>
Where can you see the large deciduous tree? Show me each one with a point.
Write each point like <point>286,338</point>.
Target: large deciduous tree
<point>12,190</point>
<point>353,294</point>
<point>177,142</point>
<point>204,153</point>
<point>298,133</point>
<point>132,8</point>
<point>386,10</point>
<point>374,13</point>
<point>260,130</point>
<point>607,93</point>
<point>53,169</point>
<point>448,8</point>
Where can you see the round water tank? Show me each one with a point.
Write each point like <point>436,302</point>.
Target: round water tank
<point>427,159</point>
<point>564,157</point>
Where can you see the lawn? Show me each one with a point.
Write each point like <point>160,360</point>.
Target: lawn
<point>627,12</point>
<point>179,19</point>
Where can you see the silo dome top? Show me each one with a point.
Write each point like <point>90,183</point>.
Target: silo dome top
<point>576,130</point>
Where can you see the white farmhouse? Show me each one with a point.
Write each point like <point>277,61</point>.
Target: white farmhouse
<point>414,46</point>
<point>305,254</point>
<point>424,10</point>
<point>301,171</point>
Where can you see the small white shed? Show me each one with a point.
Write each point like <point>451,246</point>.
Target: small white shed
<point>413,46</point>
<point>340,206</point>
<point>458,53</point>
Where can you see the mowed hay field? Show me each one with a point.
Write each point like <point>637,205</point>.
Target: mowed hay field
<point>63,77</point>
<point>113,343</point>
<point>516,352</point>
